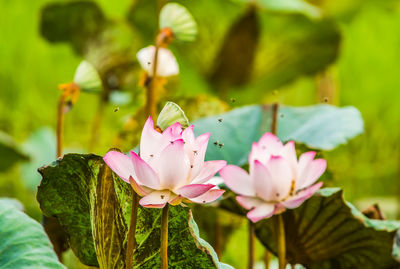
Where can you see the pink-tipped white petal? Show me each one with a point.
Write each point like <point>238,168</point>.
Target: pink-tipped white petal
<point>237,180</point>
<point>263,181</point>
<point>197,153</point>
<point>193,190</point>
<point>166,65</point>
<point>281,176</point>
<point>173,132</point>
<point>155,199</point>
<point>209,169</point>
<point>258,153</point>
<point>271,143</point>
<point>304,160</point>
<point>190,143</point>
<point>121,164</point>
<point>215,181</point>
<point>172,166</point>
<point>208,197</point>
<point>141,191</point>
<point>312,171</point>
<point>188,136</point>
<point>149,141</point>
<point>298,199</point>
<point>144,172</point>
<point>262,211</point>
<point>203,139</point>
<point>289,153</point>
<point>248,202</point>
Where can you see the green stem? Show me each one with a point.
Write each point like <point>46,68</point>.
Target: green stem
<point>251,245</point>
<point>151,98</point>
<point>97,121</point>
<point>218,235</point>
<point>280,240</point>
<point>274,124</point>
<point>267,259</point>
<point>131,233</point>
<point>164,237</point>
<point>60,125</point>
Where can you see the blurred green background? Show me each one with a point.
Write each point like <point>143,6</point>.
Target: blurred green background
<point>338,52</point>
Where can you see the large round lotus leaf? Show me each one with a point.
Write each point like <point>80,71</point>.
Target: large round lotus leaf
<point>23,242</point>
<point>326,232</point>
<point>93,206</point>
<point>320,127</point>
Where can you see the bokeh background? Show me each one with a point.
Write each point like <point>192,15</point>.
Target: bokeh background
<point>341,52</point>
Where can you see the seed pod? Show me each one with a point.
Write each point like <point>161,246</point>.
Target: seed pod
<point>179,20</point>
<point>170,114</point>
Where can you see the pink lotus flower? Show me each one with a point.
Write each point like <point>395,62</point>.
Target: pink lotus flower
<point>170,169</point>
<point>277,180</point>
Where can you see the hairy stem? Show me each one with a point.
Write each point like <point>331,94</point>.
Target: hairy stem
<point>251,245</point>
<point>60,125</point>
<point>267,259</point>
<point>151,98</point>
<point>274,130</point>
<point>218,235</point>
<point>280,240</point>
<point>274,124</point>
<point>164,237</point>
<point>132,230</point>
<point>96,125</point>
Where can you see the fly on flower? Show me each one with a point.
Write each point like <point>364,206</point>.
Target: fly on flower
<point>277,179</point>
<point>170,169</point>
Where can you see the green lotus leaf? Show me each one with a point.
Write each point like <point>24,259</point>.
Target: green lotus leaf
<point>23,244</point>
<point>93,206</point>
<point>320,127</point>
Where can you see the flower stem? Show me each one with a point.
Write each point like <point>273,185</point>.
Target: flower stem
<point>251,245</point>
<point>218,235</point>
<point>97,121</point>
<point>274,130</point>
<point>164,237</point>
<point>60,125</point>
<point>132,230</point>
<point>151,101</point>
<point>280,240</point>
<point>267,259</point>
<point>274,124</point>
